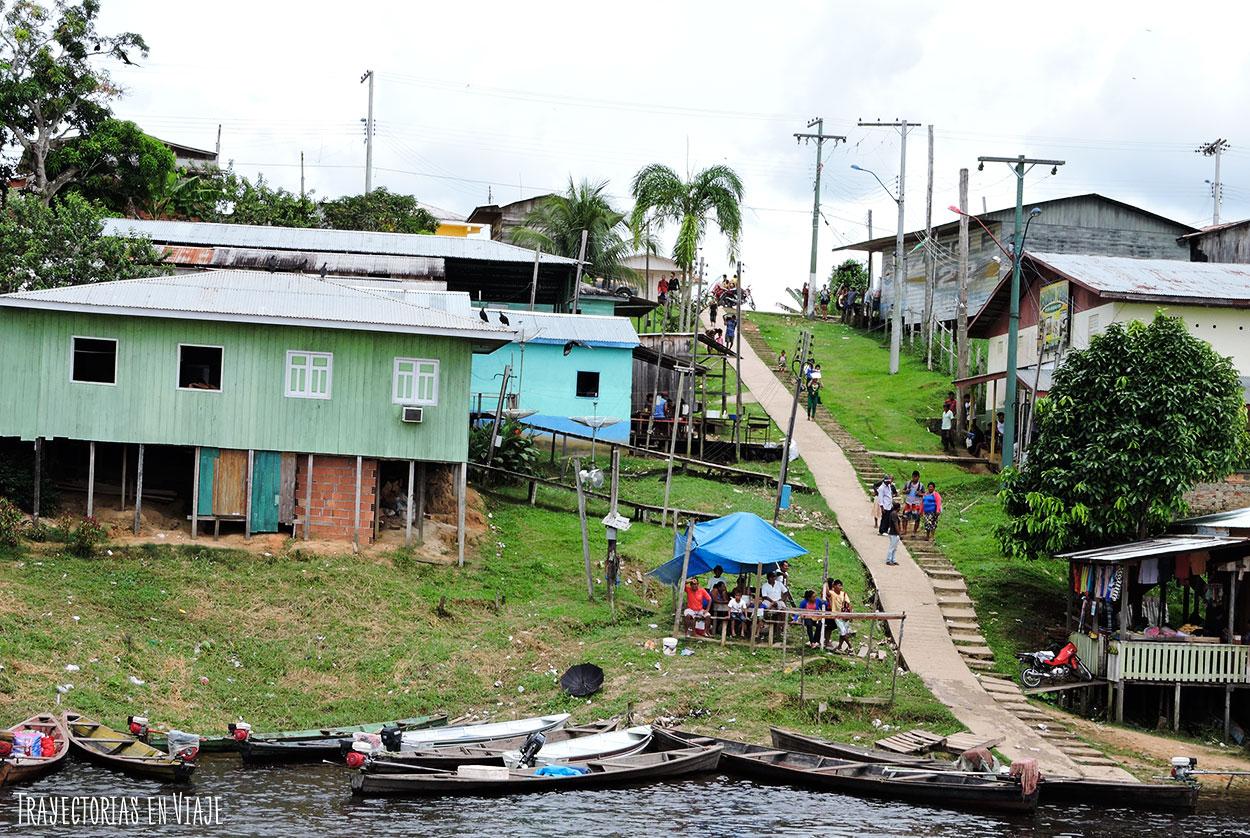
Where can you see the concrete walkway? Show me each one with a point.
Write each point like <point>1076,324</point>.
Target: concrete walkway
<point>927,646</point>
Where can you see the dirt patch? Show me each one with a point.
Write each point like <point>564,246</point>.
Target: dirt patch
<point>1147,751</point>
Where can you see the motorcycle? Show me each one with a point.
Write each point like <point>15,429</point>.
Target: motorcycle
<point>1052,665</point>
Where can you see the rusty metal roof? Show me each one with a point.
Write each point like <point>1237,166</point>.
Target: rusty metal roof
<point>262,298</point>
<point>1154,280</point>
<point>206,234</point>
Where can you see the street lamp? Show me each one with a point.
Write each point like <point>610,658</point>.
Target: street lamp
<point>896,308</point>
<point>1018,167</point>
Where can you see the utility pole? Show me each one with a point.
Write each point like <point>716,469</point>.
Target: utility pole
<point>961,336</point>
<point>368,76</point>
<point>301,175</point>
<point>695,325</point>
<point>870,285</point>
<point>820,137</point>
<point>1215,149</point>
<point>577,280</point>
<point>738,367</point>
<point>794,409</point>
<point>896,305</point>
<point>218,149</point>
<point>930,280</point>
<point>1018,167</point>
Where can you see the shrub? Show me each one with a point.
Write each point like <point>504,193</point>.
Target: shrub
<point>11,520</point>
<point>515,453</point>
<point>87,537</point>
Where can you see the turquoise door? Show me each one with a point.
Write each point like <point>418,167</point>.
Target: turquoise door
<point>266,480</point>
<point>208,461</point>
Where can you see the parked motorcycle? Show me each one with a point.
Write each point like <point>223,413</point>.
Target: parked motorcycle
<point>1052,665</point>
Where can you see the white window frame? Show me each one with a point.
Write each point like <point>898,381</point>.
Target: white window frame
<point>306,393</point>
<point>116,350</point>
<point>417,375</point>
<point>178,367</point>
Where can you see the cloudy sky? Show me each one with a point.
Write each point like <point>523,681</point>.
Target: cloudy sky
<point>506,100</point>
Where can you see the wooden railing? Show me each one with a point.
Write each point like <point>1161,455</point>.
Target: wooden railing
<point>1092,652</point>
<point>1178,663</point>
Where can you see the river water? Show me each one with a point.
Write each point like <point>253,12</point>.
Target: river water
<point>316,800</point>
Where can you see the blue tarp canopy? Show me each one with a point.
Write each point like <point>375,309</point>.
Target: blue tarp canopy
<point>737,543</point>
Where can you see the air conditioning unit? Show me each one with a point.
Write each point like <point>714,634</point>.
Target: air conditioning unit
<point>412,414</point>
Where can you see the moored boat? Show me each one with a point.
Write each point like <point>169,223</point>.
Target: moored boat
<point>451,757</point>
<point>411,740</point>
<point>21,767</point>
<point>124,752</point>
<point>634,769</point>
<point>1169,795</point>
<point>917,784</point>
<point>314,745</point>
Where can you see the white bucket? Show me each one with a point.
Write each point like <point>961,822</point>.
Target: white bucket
<point>670,645</point>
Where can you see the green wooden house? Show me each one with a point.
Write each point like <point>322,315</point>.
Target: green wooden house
<point>293,391</point>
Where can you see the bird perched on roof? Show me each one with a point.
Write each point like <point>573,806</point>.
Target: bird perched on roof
<point>324,269</point>
<point>481,312</point>
<point>503,319</point>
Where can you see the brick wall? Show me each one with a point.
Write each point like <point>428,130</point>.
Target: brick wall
<point>1233,492</point>
<point>333,493</point>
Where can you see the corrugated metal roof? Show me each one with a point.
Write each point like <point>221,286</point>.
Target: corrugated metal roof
<point>1154,279</point>
<point>1216,228</point>
<point>316,239</point>
<point>350,264</point>
<point>1162,546</point>
<point>258,297</point>
<point>1237,519</point>
<point>440,299</point>
<point>592,330</point>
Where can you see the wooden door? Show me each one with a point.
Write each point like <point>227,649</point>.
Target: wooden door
<point>230,484</point>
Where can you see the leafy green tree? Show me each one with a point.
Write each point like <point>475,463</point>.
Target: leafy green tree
<point>379,211</point>
<point>715,193</point>
<point>45,246</point>
<point>1129,425</point>
<point>850,273</point>
<point>53,88</point>
<point>116,165</point>
<point>556,225</point>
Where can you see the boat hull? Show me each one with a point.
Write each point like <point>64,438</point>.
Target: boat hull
<point>303,746</point>
<point>612,773</point>
<point>790,741</point>
<point>449,759</point>
<point>139,759</point>
<point>15,769</point>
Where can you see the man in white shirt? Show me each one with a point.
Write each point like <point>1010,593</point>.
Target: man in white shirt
<point>948,430</point>
<point>885,500</point>
<point>772,591</point>
<point>718,575</point>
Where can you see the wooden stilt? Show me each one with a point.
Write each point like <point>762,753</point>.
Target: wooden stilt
<point>412,467</point>
<point>1228,708</point>
<point>420,503</point>
<point>755,612</point>
<point>125,457</point>
<point>356,506</point>
<point>91,479</point>
<point>139,489</point>
<point>1176,708</point>
<point>1119,702</point>
<point>462,501</point>
<point>195,494</point>
<point>37,489</point>
<point>377,501</point>
<point>308,481</point>
<point>247,501</point>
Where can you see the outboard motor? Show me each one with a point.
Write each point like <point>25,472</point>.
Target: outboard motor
<point>184,746</point>
<point>392,738</point>
<point>529,751</point>
<point>138,727</point>
<point>1181,766</point>
<point>239,731</point>
<point>359,754</point>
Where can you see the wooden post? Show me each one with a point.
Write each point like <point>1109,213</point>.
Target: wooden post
<point>902,622</point>
<point>685,568</point>
<point>308,481</point>
<point>534,282</point>
<point>195,490</point>
<point>38,477</point>
<point>125,457</point>
<point>759,592</point>
<point>825,577</point>
<point>412,467</point>
<point>377,500</point>
<point>420,503</point>
<point>355,507</point>
<point>581,516</point>
<point>612,565</point>
<point>496,434</point>
<point>1067,623</point>
<point>1228,704</point>
<point>462,503</point>
<point>672,449</point>
<point>139,489</point>
<point>91,478</point>
<point>1176,708</point>
<point>1234,576</point>
<point>553,446</point>
<point>247,500</point>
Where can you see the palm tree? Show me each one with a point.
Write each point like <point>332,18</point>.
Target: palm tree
<point>556,225</point>
<point>714,192</point>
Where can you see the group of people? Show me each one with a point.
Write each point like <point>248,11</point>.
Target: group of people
<point>708,607</point>
<point>841,304</point>
<point>916,502</point>
<point>975,440</point>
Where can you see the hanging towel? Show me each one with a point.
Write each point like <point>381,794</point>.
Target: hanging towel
<point>1148,573</point>
<point>1182,567</point>
<point>1198,564</point>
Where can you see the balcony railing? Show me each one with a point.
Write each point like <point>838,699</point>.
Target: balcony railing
<point>1165,662</point>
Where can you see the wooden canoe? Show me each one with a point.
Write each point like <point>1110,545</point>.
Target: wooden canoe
<point>315,745</point>
<point>915,784</point>
<point>22,769</point>
<point>473,734</point>
<point>451,757</point>
<point>650,767</point>
<point>214,744</point>
<point>1169,795</point>
<point>124,752</point>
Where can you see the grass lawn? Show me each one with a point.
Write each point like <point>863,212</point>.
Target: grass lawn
<point>196,637</point>
<point>1019,604</point>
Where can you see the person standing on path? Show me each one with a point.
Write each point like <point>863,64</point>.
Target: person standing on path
<point>931,505</point>
<point>890,522</point>
<point>912,493</point>
<point>813,391</point>
<point>948,429</point>
<point>885,500</point>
